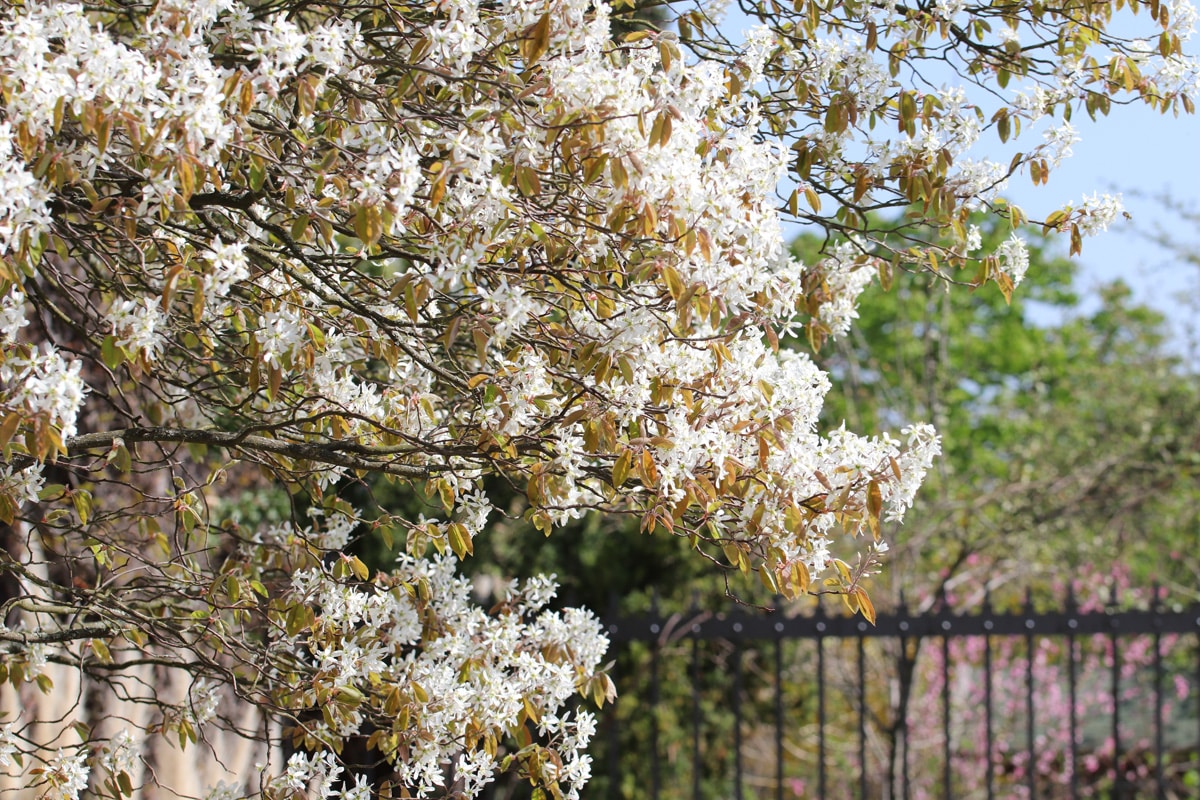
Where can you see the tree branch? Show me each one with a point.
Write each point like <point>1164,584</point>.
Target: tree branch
<point>26,638</point>
<point>343,454</point>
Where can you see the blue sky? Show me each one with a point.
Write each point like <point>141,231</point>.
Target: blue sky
<point>1132,151</point>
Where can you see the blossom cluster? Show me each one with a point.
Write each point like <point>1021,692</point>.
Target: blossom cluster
<point>66,774</point>
<point>445,681</point>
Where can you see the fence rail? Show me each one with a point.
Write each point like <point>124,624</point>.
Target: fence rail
<point>802,702</point>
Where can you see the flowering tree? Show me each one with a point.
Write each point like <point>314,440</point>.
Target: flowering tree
<point>448,243</point>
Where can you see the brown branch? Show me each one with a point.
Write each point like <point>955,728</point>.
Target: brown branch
<point>342,454</point>
<point>26,638</point>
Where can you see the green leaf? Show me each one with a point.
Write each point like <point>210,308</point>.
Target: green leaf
<point>368,224</point>
<point>100,648</point>
<point>460,540</point>
<point>865,606</point>
<point>51,491</point>
<point>620,470</point>
<point>110,354</point>
<point>82,500</point>
<point>536,41</point>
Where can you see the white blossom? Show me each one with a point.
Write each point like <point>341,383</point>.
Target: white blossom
<point>67,775</point>
<point>12,317</point>
<point>313,774</point>
<point>974,238</point>
<point>281,332</point>
<point>846,278</point>
<point>1009,35</point>
<point>49,384</point>
<point>475,768</point>
<point>23,485</point>
<point>203,699</point>
<point>223,791</point>
<point>229,266</point>
<point>138,325</point>
<point>474,673</point>
<point>120,754</point>
<point>361,790</point>
<point>1059,140</point>
<point>8,745</point>
<point>1014,257</point>
<point>1098,212</point>
<point>949,9</point>
<point>416,251</point>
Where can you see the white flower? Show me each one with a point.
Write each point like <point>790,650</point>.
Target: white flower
<point>974,239</point>
<point>35,660</point>
<point>313,774</point>
<point>223,791</point>
<point>52,385</point>
<point>279,44</point>
<point>8,745</point>
<point>1014,258</point>
<point>299,773</point>
<point>513,308</point>
<point>361,790</point>
<point>279,335</point>
<point>949,9</point>
<point>23,198</point>
<point>229,267</point>
<point>120,754</point>
<point>203,699</point>
<point>336,533</point>
<point>1098,212</point>
<point>1183,18</point>
<point>1059,140</point>
<point>138,325</point>
<point>23,485</point>
<point>845,278</point>
<point>474,508</point>
<point>1140,50</point>
<point>12,316</point>
<point>474,674</point>
<point>67,775</point>
<point>390,176</point>
<point>475,768</point>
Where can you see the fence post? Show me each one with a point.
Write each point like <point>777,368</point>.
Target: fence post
<point>988,625</point>
<point>778,670</point>
<point>1029,710</point>
<point>1160,787</point>
<point>862,715</point>
<point>1118,773</point>
<point>1073,718</point>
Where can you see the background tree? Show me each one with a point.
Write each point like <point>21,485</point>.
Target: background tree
<point>1067,433</point>
<point>459,245</point>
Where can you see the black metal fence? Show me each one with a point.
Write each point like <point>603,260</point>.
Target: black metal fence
<point>1078,702</point>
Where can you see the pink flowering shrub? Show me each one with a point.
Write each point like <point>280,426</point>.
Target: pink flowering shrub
<point>1012,668</point>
